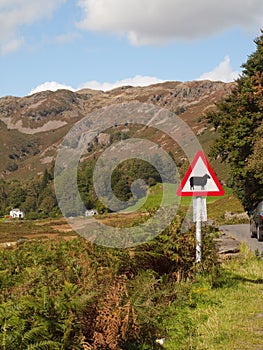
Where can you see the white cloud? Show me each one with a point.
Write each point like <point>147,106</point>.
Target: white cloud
<point>222,72</point>
<point>11,45</point>
<point>50,85</point>
<point>16,13</point>
<point>138,80</point>
<point>159,21</point>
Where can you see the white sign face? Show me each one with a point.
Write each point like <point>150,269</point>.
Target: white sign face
<point>199,213</point>
<point>200,180</point>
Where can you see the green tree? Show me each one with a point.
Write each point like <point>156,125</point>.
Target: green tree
<point>3,197</point>
<point>238,121</point>
<point>30,203</point>
<point>17,194</point>
<point>47,200</point>
<point>45,180</point>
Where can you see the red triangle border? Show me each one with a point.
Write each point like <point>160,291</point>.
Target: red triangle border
<point>220,192</point>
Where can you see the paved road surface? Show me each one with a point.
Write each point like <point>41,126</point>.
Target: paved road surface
<point>242,234</point>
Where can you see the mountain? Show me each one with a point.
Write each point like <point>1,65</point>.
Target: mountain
<point>32,127</point>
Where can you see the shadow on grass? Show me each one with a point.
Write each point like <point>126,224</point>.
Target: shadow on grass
<point>227,279</point>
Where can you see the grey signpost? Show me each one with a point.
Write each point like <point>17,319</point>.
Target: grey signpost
<point>199,216</point>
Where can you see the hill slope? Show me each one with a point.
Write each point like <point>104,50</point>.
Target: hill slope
<point>32,127</point>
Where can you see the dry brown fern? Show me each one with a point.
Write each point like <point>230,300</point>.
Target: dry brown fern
<point>113,319</point>
<point>109,319</point>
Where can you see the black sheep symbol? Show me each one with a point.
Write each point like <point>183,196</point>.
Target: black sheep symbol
<point>198,181</point>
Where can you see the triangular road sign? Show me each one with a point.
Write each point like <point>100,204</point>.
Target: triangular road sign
<point>200,179</point>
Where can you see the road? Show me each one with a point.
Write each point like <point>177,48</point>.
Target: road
<point>242,234</point>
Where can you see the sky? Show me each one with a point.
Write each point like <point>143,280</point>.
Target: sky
<point>103,44</point>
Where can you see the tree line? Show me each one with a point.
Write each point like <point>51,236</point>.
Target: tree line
<point>37,198</point>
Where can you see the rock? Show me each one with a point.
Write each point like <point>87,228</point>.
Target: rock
<point>104,139</point>
<point>227,245</point>
<point>239,216</point>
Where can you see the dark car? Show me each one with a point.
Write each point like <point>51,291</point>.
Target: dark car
<point>256,222</point>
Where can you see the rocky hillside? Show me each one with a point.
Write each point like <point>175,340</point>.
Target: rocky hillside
<point>32,127</point>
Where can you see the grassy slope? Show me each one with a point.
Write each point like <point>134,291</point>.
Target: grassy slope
<point>226,310</point>
<point>216,206</point>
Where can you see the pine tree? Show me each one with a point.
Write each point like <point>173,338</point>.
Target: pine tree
<point>238,121</point>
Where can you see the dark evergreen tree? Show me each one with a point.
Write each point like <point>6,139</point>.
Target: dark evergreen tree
<point>45,180</point>
<point>238,120</point>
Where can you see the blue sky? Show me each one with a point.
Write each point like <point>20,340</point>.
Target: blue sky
<point>102,44</point>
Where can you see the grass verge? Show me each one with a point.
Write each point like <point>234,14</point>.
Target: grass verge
<point>224,310</point>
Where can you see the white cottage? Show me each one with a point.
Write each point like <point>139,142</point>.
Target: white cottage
<point>91,212</point>
<point>16,213</point>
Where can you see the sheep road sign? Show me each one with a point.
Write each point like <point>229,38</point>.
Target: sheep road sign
<point>200,179</point>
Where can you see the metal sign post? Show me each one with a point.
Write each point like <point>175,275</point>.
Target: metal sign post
<point>198,229</point>
<point>199,216</point>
